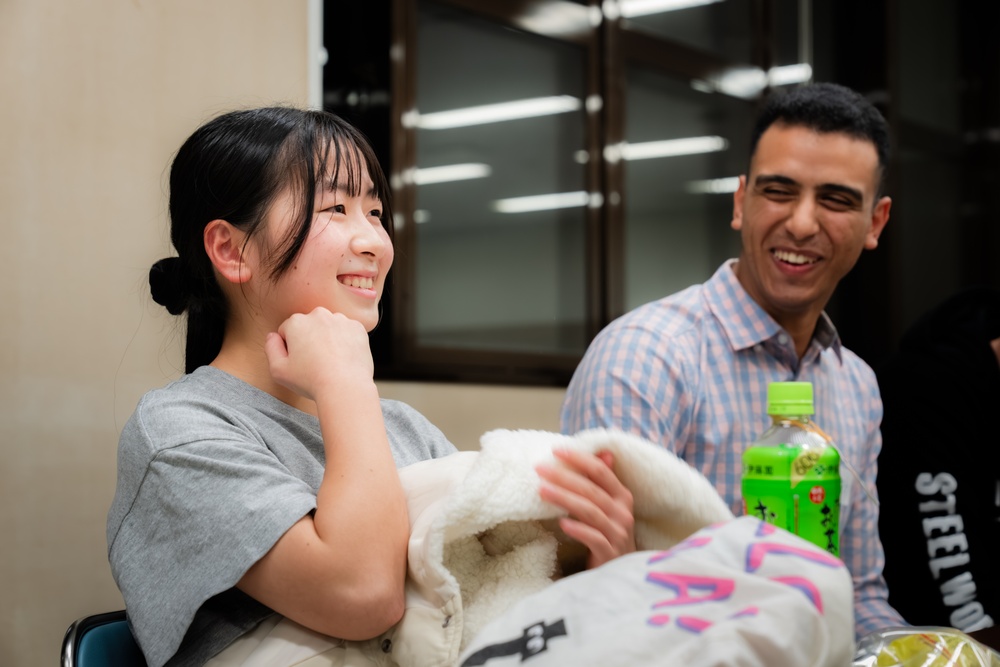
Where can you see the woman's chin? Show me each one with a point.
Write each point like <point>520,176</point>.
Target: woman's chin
<point>369,322</point>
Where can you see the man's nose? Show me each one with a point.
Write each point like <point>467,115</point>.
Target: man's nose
<point>802,223</point>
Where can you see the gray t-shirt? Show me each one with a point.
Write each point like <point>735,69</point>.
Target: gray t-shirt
<point>211,473</point>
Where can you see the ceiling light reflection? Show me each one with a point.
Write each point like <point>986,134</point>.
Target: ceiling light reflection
<point>450,172</point>
<point>748,82</point>
<point>713,186</point>
<point>673,147</point>
<point>495,113</point>
<point>788,74</point>
<point>544,202</point>
<point>557,20</point>
<point>633,8</point>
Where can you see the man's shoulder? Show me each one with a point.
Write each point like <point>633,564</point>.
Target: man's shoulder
<point>854,372</point>
<point>854,364</point>
<point>670,317</point>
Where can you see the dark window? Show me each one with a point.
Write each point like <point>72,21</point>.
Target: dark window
<point>555,163</point>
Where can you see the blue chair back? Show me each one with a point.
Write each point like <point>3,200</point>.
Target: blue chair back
<point>99,641</point>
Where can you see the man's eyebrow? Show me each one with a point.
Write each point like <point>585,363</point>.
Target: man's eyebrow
<point>769,179</point>
<point>854,193</point>
<point>778,179</point>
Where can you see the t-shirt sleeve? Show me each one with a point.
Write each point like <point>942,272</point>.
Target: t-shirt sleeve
<point>412,436</point>
<point>202,499</point>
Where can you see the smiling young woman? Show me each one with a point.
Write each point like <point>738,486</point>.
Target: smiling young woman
<point>258,506</point>
<point>262,484</point>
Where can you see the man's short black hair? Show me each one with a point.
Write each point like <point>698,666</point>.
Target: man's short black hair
<point>826,108</point>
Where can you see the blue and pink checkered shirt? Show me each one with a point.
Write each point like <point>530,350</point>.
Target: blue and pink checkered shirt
<point>691,371</point>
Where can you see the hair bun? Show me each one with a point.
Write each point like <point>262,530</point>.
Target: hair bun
<point>166,285</point>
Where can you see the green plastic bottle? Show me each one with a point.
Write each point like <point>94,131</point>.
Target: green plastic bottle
<point>791,474</point>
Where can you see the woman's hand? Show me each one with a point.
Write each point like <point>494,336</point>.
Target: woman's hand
<point>599,505</point>
<point>340,570</point>
<point>313,351</point>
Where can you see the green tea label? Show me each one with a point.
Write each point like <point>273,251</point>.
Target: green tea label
<point>811,511</point>
<point>797,489</point>
<point>803,464</point>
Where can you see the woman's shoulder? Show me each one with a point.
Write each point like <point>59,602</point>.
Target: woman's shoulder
<point>208,388</point>
<point>189,392</point>
<point>189,408</point>
<point>411,435</point>
<point>205,383</point>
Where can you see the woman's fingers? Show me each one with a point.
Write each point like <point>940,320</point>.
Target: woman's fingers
<point>599,468</point>
<point>274,348</point>
<point>601,549</point>
<point>596,481</point>
<point>598,504</point>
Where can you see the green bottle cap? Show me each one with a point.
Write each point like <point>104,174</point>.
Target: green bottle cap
<point>790,398</point>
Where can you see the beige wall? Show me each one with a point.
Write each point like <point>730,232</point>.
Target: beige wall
<point>96,96</point>
<point>465,412</point>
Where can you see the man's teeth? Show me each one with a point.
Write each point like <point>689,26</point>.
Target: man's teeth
<point>793,257</point>
<point>356,281</point>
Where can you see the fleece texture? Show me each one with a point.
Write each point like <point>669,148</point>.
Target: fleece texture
<point>482,538</point>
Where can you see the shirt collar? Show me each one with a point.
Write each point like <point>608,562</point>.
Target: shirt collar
<point>745,323</point>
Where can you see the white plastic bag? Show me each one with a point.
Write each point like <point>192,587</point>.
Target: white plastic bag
<point>923,647</point>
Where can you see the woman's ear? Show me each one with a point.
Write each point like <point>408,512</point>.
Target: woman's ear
<point>224,245</point>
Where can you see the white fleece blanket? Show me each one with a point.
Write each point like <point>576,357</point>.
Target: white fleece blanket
<point>484,531</point>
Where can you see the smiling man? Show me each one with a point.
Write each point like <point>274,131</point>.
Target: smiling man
<point>808,207</point>
<point>691,371</point>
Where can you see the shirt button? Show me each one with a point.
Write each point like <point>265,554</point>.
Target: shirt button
<point>783,339</point>
<point>386,645</point>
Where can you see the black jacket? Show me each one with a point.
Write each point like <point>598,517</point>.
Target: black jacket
<point>939,470</point>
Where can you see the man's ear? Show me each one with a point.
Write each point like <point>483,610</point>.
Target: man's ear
<point>224,246</point>
<point>880,216</point>
<point>737,221</point>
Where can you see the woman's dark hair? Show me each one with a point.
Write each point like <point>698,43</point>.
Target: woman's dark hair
<point>233,168</point>
<point>826,108</point>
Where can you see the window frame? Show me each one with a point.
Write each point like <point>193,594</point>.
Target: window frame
<point>610,46</point>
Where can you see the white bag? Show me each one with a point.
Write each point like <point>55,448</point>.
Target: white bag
<point>739,593</point>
